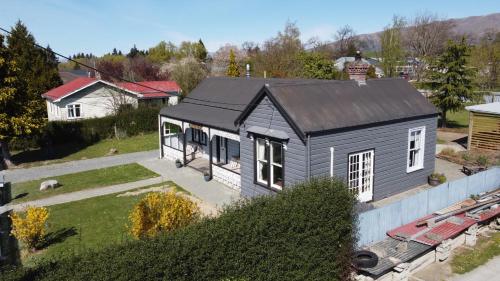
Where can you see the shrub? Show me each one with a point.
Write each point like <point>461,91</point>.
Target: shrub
<point>466,156</point>
<point>161,212</point>
<point>30,229</point>
<point>440,177</point>
<point>303,233</point>
<point>482,160</point>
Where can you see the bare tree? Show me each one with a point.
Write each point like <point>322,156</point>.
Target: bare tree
<point>345,40</point>
<point>426,37</point>
<point>116,100</point>
<point>220,59</point>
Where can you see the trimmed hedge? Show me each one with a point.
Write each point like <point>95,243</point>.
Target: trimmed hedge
<point>303,233</point>
<point>129,122</point>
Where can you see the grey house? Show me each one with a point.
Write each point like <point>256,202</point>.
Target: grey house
<point>263,135</point>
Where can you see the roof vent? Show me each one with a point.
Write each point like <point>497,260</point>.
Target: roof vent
<point>248,70</point>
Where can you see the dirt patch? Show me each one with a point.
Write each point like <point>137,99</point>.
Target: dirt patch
<point>470,158</point>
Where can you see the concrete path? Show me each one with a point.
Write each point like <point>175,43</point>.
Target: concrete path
<point>20,175</point>
<point>488,271</point>
<point>451,170</point>
<point>212,192</point>
<point>82,194</point>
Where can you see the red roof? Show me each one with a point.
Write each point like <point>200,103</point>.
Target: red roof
<point>158,91</point>
<point>70,87</point>
<point>159,87</point>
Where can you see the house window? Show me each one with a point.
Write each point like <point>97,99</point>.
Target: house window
<point>74,111</point>
<point>198,136</point>
<point>416,144</point>
<point>171,135</point>
<point>269,163</point>
<point>360,175</point>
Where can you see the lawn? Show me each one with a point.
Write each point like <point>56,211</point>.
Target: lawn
<point>27,191</point>
<point>73,151</point>
<point>88,224</point>
<point>485,249</point>
<point>458,119</point>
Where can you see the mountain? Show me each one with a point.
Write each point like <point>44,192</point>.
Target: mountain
<point>474,27</point>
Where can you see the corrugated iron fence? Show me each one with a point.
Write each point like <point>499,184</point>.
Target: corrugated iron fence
<point>374,224</point>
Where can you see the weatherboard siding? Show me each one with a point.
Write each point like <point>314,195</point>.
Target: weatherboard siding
<point>266,114</point>
<point>390,145</point>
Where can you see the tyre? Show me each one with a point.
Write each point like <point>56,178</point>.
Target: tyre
<point>365,259</point>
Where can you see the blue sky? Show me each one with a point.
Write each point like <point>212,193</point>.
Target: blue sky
<point>97,25</point>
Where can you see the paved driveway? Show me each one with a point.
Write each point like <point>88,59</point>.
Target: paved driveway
<point>20,175</point>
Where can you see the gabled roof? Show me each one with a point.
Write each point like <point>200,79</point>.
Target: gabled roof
<point>141,91</point>
<point>69,88</point>
<point>310,106</point>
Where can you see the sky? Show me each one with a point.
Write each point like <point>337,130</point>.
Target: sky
<point>98,26</point>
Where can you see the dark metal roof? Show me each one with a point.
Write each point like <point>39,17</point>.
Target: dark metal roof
<point>393,252</point>
<point>320,106</point>
<point>310,105</point>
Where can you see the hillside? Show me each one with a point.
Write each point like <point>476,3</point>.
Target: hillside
<point>474,27</point>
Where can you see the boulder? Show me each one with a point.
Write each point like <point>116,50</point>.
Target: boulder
<point>113,151</point>
<point>48,184</point>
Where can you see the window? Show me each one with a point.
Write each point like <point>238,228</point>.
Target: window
<point>416,144</point>
<point>269,163</point>
<point>360,175</point>
<point>74,111</point>
<point>171,135</point>
<point>198,136</point>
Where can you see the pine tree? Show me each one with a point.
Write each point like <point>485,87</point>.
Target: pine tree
<point>36,74</point>
<point>451,79</point>
<point>115,52</point>
<point>232,69</point>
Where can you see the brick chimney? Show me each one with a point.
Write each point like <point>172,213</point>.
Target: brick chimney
<point>357,69</point>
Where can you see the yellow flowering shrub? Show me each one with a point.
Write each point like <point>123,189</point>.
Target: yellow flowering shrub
<point>29,227</point>
<point>161,212</point>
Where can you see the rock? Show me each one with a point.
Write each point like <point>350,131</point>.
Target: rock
<point>48,184</point>
<point>113,151</point>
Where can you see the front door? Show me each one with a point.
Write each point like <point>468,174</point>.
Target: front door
<point>361,175</point>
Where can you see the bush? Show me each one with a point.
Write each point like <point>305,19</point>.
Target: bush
<point>440,177</point>
<point>304,233</point>
<point>129,122</point>
<point>482,160</point>
<point>30,229</point>
<point>161,212</point>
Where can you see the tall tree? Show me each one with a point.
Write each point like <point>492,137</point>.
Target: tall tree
<point>426,38</point>
<point>346,41</point>
<point>316,65</point>
<point>485,57</point>
<point>452,78</point>
<point>36,74</point>
<point>162,52</point>
<point>392,52</point>
<point>188,73</point>
<point>200,52</point>
<point>232,69</point>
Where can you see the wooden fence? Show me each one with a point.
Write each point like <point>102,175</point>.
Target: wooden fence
<point>374,224</point>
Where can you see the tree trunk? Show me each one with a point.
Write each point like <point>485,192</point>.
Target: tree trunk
<point>6,154</point>
<point>443,119</point>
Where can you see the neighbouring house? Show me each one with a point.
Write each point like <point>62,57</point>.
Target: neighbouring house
<point>70,75</point>
<point>484,126</point>
<point>341,63</point>
<point>87,97</point>
<point>260,135</point>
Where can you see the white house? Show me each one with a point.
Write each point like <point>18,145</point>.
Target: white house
<point>87,97</point>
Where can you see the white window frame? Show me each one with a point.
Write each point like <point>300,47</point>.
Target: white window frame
<point>420,150</point>
<point>73,108</point>
<point>357,183</point>
<point>267,159</point>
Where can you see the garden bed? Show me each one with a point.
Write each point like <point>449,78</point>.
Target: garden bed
<point>471,158</point>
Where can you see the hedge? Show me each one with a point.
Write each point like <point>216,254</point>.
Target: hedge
<point>303,233</point>
<point>129,122</point>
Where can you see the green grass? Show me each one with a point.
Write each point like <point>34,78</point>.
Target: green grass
<point>440,141</point>
<point>458,118</point>
<point>467,260</point>
<point>27,191</point>
<point>88,224</point>
<point>73,151</point>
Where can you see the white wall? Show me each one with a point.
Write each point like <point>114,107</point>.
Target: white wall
<point>98,100</point>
